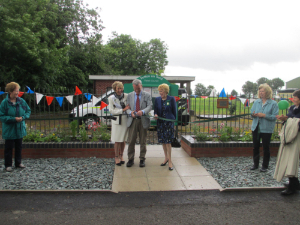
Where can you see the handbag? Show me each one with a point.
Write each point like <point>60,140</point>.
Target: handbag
<point>175,143</point>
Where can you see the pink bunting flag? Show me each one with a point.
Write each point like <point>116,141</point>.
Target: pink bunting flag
<point>204,97</point>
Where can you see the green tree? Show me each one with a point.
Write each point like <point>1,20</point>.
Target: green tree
<point>248,88</point>
<point>128,56</point>
<point>36,37</point>
<point>210,88</point>
<point>263,80</point>
<point>234,92</point>
<point>200,90</point>
<point>276,84</point>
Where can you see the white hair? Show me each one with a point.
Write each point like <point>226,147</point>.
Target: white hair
<point>137,82</point>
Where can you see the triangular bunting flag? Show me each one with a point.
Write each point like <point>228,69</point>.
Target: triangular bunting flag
<point>292,99</point>
<point>60,100</point>
<point>1,92</point>
<point>204,97</point>
<point>88,96</point>
<point>243,100</point>
<point>251,100</point>
<point>176,98</point>
<point>20,93</point>
<point>29,91</point>
<point>231,98</point>
<point>94,99</point>
<point>77,91</point>
<point>103,105</point>
<point>70,99</point>
<point>38,97</point>
<point>247,103</point>
<point>222,94</point>
<point>49,99</point>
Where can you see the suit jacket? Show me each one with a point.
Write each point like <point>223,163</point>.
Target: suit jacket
<point>170,109</point>
<point>145,104</point>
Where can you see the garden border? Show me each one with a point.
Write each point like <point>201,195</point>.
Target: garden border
<point>65,150</point>
<point>221,149</point>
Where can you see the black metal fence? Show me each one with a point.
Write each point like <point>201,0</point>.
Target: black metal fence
<point>47,117</point>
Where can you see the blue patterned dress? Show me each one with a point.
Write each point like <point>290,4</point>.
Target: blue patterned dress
<point>165,129</point>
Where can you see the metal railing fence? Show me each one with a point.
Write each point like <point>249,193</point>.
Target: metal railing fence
<point>47,118</point>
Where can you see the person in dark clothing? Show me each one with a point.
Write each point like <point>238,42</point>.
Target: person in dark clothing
<point>165,107</point>
<point>294,112</point>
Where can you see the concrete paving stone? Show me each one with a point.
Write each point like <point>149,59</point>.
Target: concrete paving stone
<point>166,184</point>
<point>200,183</point>
<point>161,171</point>
<point>191,171</point>
<point>130,184</point>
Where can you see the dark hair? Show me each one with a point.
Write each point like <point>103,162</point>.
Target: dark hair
<point>297,93</point>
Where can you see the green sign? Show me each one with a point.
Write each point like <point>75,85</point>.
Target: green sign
<point>150,83</point>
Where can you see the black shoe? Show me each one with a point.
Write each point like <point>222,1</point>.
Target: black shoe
<point>287,184</point>
<point>130,163</point>
<point>263,169</point>
<point>170,168</point>
<point>118,164</point>
<point>254,167</point>
<point>142,163</point>
<point>122,162</point>
<point>288,192</point>
<point>163,164</point>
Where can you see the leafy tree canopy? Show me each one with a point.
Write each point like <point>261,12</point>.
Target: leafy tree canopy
<point>128,56</point>
<point>201,90</point>
<point>36,38</point>
<point>252,88</point>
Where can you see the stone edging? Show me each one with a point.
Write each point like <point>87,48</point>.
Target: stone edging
<point>221,149</point>
<point>65,149</point>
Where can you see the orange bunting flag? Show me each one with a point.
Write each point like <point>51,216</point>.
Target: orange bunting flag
<point>204,97</point>
<point>103,105</point>
<point>49,99</point>
<point>292,99</point>
<point>176,98</point>
<point>77,91</point>
<point>20,94</point>
<point>231,97</point>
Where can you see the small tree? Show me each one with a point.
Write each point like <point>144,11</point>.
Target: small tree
<point>234,92</point>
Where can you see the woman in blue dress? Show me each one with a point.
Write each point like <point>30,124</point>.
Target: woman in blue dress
<point>165,107</point>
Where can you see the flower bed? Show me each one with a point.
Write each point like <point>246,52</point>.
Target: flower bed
<point>198,149</point>
<point>65,150</point>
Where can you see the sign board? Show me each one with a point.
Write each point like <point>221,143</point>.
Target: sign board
<point>222,103</point>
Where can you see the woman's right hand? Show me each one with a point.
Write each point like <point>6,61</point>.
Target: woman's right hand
<point>127,107</point>
<point>282,117</point>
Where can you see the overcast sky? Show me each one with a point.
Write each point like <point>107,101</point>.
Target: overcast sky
<point>221,43</point>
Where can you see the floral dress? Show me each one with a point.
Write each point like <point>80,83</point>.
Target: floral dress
<point>165,129</point>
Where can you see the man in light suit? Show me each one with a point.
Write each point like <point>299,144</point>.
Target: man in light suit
<point>140,104</point>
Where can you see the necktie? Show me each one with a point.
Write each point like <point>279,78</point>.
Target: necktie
<point>137,106</point>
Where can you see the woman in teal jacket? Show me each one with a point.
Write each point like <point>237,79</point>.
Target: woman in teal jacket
<point>13,112</point>
<point>264,112</point>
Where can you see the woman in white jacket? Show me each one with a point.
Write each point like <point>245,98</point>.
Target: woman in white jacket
<point>118,106</point>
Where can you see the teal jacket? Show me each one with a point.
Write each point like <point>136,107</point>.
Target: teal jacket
<point>266,124</point>
<point>11,129</point>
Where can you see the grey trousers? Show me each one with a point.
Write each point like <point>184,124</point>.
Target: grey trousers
<point>137,127</point>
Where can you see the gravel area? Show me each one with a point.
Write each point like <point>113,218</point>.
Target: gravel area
<point>231,172</point>
<point>59,174</point>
